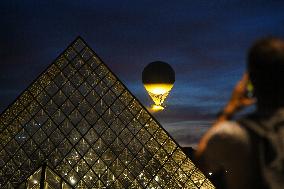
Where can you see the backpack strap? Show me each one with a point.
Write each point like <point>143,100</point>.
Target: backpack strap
<point>254,126</point>
<point>262,137</point>
<point>257,137</point>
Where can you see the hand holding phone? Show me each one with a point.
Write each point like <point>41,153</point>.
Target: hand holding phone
<point>242,96</point>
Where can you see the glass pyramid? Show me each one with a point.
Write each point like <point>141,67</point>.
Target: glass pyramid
<point>79,119</point>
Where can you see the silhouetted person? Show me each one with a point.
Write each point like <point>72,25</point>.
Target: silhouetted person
<point>250,150</point>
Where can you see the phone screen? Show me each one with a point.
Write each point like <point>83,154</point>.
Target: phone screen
<point>250,93</point>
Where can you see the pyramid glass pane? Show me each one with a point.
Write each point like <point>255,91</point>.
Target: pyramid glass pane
<point>44,177</point>
<point>80,119</point>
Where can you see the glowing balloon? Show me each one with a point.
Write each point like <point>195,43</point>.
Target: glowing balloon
<point>158,79</point>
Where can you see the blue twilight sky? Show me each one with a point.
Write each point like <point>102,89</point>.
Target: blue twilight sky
<point>204,41</point>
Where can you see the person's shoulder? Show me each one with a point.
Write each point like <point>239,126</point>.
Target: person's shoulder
<point>228,132</point>
<point>224,144</point>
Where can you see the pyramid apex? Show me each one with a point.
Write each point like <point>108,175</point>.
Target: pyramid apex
<point>79,38</point>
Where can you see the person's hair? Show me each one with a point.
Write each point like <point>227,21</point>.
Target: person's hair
<point>266,71</point>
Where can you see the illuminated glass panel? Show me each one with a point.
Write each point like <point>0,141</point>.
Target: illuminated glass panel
<point>91,131</point>
<point>45,178</point>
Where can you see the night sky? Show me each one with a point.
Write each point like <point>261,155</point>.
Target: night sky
<point>204,41</point>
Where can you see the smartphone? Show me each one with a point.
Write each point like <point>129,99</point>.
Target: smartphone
<point>249,90</point>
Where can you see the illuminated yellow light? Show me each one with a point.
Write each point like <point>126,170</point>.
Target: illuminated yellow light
<point>157,108</point>
<point>158,92</point>
<point>158,88</point>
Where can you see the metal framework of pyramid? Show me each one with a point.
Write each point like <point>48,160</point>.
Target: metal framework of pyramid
<point>79,119</point>
<point>45,178</point>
